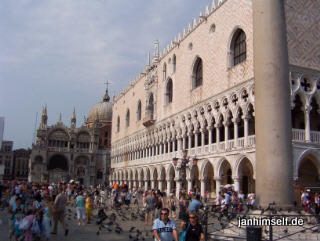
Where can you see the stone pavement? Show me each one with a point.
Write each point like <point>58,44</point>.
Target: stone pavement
<point>89,231</point>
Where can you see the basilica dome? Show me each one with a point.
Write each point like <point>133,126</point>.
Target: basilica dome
<point>101,112</point>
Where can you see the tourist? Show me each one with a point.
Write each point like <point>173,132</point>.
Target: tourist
<point>171,203</point>
<point>46,219</point>
<point>159,203</point>
<point>59,212</point>
<point>164,229</point>
<point>194,230</point>
<point>195,204</point>
<point>89,206</point>
<point>183,207</point>
<point>150,205</point>
<point>81,211</point>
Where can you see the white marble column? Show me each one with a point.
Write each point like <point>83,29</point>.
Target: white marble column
<point>130,184</point>
<point>307,123</point>
<point>160,185</point>
<point>235,124</point>
<point>152,184</point>
<point>274,169</point>
<point>246,130</point>
<point>146,185</point>
<point>218,184</point>
<point>161,146</point>
<point>196,138</point>
<point>168,187</point>
<point>178,187</point>
<point>173,145</point>
<point>202,187</point>
<point>236,182</point>
<point>210,134</point>
<point>217,126</point>
<point>189,140</point>
<point>203,131</point>
<point>226,132</point>
<point>189,180</point>
<point>180,144</point>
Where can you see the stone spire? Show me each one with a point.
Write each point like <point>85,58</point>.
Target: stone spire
<point>73,118</point>
<point>156,51</point>
<point>44,118</point>
<point>60,118</point>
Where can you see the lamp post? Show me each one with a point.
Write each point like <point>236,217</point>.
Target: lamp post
<point>182,164</point>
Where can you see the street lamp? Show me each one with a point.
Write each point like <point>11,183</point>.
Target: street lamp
<point>184,161</point>
<point>182,165</point>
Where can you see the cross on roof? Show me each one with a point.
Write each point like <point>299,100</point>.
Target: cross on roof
<point>306,85</point>
<point>107,84</point>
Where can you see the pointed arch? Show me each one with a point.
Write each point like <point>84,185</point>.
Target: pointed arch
<point>139,110</point>
<point>197,73</point>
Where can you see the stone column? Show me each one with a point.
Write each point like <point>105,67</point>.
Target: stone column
<point>160,185</point>
<point>307,123</point>
<point>236,181</point>
<point>203,131</point>
<point>180,144</point>
<point>130,185</point>
<point>189,180</point>
<point>152,184</point>
<point>189,140</point>
<point>202,187</point>
<point>210,134</point>
<point>246,130</point>
<point>168,187</point>
<point>146,185</point>
<point>217,126</point>
<point>196,138</point>
<point>178,187</point>
<point>161,148</point>
<point>173,144</point>
<point>218,184</point>
<point>272,105</point>
<point>235,124</point>
<point>226,132</point>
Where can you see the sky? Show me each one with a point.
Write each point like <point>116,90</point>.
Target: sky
<point>60,53</point>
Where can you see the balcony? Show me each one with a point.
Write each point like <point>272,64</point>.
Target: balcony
<point>148,120</point>
<point>248,142</point>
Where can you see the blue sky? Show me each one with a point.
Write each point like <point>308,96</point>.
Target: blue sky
<point>61,52</point>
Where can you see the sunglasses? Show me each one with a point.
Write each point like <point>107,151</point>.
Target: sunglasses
<point>164,213</point>
<point>192,217</point>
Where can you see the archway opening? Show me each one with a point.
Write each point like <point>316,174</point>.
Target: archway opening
<point>247,183</point>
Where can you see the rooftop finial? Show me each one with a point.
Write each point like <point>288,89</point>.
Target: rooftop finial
<point>156,50</point>
<point>106,97</point>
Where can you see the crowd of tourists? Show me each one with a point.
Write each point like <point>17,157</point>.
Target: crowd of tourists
<point>36,209</point>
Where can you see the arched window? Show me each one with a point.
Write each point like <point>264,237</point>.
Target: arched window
<point>139,110</point>
<point>118,124</point>
<point>128,118</point>
<point>197,73</point>
<point>164,71</point>
<point>174,63</point>
<point>239,47</point>
<point>150,106</point>
<point>169,93</point>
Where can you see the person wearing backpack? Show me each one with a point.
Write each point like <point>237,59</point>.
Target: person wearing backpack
<point>193,230</point>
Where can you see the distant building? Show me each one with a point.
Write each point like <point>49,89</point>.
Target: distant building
<point>21,164</point>
<point>6,158</point>
<point>62,153</point>
<point>1,129</point>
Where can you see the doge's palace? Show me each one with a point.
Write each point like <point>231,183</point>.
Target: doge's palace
<point>198,94</point>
